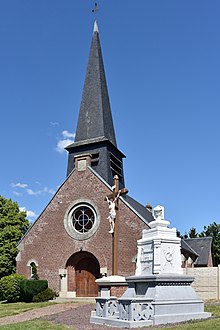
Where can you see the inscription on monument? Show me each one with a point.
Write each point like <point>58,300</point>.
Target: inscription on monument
<point>146,256</point>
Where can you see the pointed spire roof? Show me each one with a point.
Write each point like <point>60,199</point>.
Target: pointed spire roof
<point>95,118</point>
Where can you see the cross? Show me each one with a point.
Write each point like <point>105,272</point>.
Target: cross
<point>115,196</point>
<point>95,10</point>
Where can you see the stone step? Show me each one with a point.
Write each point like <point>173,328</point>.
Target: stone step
<point>76,299</point>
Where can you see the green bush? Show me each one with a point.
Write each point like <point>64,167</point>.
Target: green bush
<point>45,295</point>
<point>10,287</point>
<point>31,288</point>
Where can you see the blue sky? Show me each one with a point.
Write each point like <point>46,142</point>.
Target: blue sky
<point>163,73</point>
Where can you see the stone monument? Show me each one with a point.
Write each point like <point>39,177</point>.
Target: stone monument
<point>158,293</point>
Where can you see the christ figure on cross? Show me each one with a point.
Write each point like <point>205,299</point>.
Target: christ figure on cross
<point>112,212</point>
<point>113,205</point>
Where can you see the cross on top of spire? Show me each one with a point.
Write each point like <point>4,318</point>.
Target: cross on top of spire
<point>95,10</point>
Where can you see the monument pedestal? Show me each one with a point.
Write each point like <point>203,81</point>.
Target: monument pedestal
<point>151,300</point>
<point>159,293</point>
<point>160,299</point>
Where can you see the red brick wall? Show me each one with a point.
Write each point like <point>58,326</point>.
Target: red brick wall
<point>49,244</point>
<point>118,291</point>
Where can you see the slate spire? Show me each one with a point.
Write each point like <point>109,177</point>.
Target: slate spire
<point>95,118</point>
<point>95,133</point>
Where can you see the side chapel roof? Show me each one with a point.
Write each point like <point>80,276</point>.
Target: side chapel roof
<point>186,248</point>
<point>202,246</point>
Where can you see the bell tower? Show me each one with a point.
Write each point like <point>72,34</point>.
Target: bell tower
<point>95,130</point>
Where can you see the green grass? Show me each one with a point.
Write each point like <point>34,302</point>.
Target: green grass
<point>34,325</point>
<point>214,309</point>
<point>20,307</point>
<point>211,324</point>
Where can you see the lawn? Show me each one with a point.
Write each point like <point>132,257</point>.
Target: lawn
<point>34,325</point>
<point>20,307</point>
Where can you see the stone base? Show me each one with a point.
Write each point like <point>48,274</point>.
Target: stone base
<point>151,300</point>
<point>170,318</point>
<point>120,323</point>
<point>164,319</point>
<point>67,294</point>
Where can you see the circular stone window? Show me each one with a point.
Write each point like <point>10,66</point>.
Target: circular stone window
<point>81,219</point>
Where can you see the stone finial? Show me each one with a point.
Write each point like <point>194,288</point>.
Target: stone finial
<point>158,212</point>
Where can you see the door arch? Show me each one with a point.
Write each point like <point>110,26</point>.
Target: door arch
<point>83,269</point>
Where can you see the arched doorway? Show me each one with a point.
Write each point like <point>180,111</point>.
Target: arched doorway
<point>82,270</point>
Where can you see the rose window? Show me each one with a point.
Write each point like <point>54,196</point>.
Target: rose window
<point>83,219</point>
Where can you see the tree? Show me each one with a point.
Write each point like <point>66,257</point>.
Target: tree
<point>192,233</point>
<point>13,225</point>
<point>213,230</point>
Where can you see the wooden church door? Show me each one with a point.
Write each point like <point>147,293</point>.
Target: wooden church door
<point>86,274</point>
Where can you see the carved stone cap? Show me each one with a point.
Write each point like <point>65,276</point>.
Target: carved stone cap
<point>62,272</point>
<point>114,280</point>
<point>171,278</point>
<point>159,223</point>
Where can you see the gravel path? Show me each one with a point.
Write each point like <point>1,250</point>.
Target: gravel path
<point>78,318</point>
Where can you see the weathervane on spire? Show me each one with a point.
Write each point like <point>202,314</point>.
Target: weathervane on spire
<point>95,10</point>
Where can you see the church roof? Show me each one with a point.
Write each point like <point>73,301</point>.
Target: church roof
<point>139,209</point>
<point>202,246</point>
<point>95,118</point>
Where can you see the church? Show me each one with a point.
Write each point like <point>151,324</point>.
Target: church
<point>71,242</point>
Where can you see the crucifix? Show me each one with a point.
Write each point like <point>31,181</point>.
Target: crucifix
<point>113,201</point>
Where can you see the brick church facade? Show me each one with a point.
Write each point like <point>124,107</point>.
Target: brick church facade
<point>70,241</point>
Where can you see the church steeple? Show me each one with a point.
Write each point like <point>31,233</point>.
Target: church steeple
<point>95,118</point>
<point>95,130</point>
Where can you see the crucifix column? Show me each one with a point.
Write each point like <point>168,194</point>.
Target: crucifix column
<point>113,200</point>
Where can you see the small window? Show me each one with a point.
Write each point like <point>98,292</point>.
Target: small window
<point>34,274</point>
<point>33,265</point>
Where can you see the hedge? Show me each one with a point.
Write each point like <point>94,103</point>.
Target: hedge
<point>30,288</point>
<point>45,295</point>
